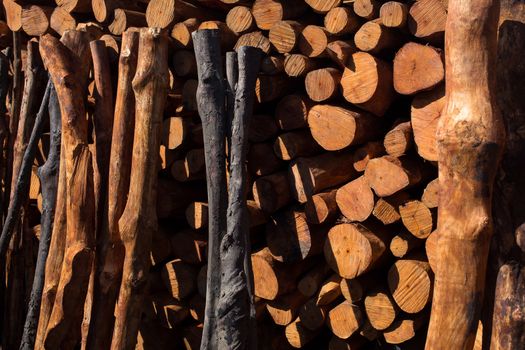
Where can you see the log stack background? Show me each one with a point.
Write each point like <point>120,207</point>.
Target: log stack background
<point>342,162</point>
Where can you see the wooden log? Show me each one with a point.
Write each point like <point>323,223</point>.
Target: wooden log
<point>36,19</point>
<point>313,316</point>
<point>174,132</point>
<point>354,289</point>
<point>473,130</point>
<point>298,335</point>
<point>197,215</point>
<point>269,88</point>
<point>197,306</point>
<point>290,238</point>
<point>322,84</point>
<point>310,283</point>
<point>174,197</point>
<point>254,39</point>
<point>179,278</point>
<point>262,159</point>
<point>427,19</point>
<point>374,97</point>
<point>228,38</point>
<point>335,128</point>
<point>94,30</point>
<point>168,310</point>
<point>398,141</point>
<point>181,32</point>
<point>313,41</point>
<point>272,65</point>
<point>323,6</point>
<point>380,309</point>
<point>426,111</point>
<point>340,51</point>
<point>292,112</point>
<point>353,249</point>
<point>284,35</point>
<point>403,243</point>
<point>255,215</point>
<point>417,218</point>
<point>375,38</point>
<point>269,12</point>
<point>345,319</point>
<point>410,282</point>
<point>273,278</point>
<point>309,176</point>
<point>386,209</point>
<point>272,192</point>
<point>370,150</point>
<point>416,68</point>
<point>297,65</point>
<point>164,13</point>
<point>77,6</point>
<point>13,14</point>
<point>61,20</point>
<point>330,290</point>
<point>191,168</point>
<point>65,320</point>
<point>369,332</point>
<point>184,63</point>
<point>341,21</point>
<point>403,329</point>
<point>431,245</point>
<point>189,246</point>
<point>355,200</point>
<point>124,19</point>
<point>295,144</point>
<point>431,194</point>
<point>388,175</point>
<point>161,250</point>
<point>321,208</point>
<point>201,280</point>
<point>240,19</point>
<point>138,220</point>
<point>354,343</point>
<point>368,9</point>
<point>285,309</point>
<point>263,128</point>
<point>393,14</point>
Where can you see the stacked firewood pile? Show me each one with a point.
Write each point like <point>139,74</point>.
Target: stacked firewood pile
<point>342,165</point>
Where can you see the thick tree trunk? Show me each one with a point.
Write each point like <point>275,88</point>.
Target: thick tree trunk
<point>139,219</point>
<point>470,140</point>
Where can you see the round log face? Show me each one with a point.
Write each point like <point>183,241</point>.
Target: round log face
<point>410,283</point>
<point>265,280</point>
<point>332,127</point>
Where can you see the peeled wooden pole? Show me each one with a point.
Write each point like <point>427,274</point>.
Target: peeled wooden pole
<point>111,254</point>
<point>48,174</point>
<point>139,218</point>
<point>470,142</point>
<point>66,71</point>
<point>211,97</point>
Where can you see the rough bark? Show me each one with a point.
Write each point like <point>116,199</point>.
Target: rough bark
<point>139,218</point>
<point>470,140</point>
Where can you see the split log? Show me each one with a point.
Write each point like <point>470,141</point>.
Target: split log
<point>269,12</point>
<point>313,41</point>
<point>417,218</point>
<point>111,255</point>
<point>292,112</point>
<point>374,97</point>
<point>369,151</point>
<point>124,19</point>
<point>375,38</point>
<point>286,308</point>
<point>427,20</point>
<point>284,35</point>
<point>380,309</point>
<point>262,160</point>
<point>431,194</point>
<point>36,19</point>
<point>386,209</point>
<point>61,20</point>
<point>393,14</point>
<point>322,84</point>
<point>353,249</point>
<point>139,219</point>
<point>181,32</point>
<point>309,176</point>
<point>356,199</point>
<point>416,68</point>
<point>179,278</point>
<point>426,111</point>
<point>297,65</point>
<point>65,320</point>
<point>341,21</point>
<point>310,283</point>
<point>398,141</point>
<point>403,243</point>
<point>368,9</point>
<point>295,144</point>
<point>345,319</point>
<point>410,282</point>
<point>473,132</point>
<point>330,290</point>
<point>240,19</point>
<point>290,238</point>
<point>388,175</point>
<point>321,208</point>
<point>272,192</point>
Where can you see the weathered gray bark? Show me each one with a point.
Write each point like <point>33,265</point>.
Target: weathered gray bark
<point>211,98</point>
<point>48,174</point>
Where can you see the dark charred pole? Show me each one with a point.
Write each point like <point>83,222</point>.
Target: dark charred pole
<point>48,175</point>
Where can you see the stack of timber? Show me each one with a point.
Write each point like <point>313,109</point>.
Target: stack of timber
<point>342,162</point>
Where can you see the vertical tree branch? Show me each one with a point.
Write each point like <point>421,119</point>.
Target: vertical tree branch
<point>470,138</point>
